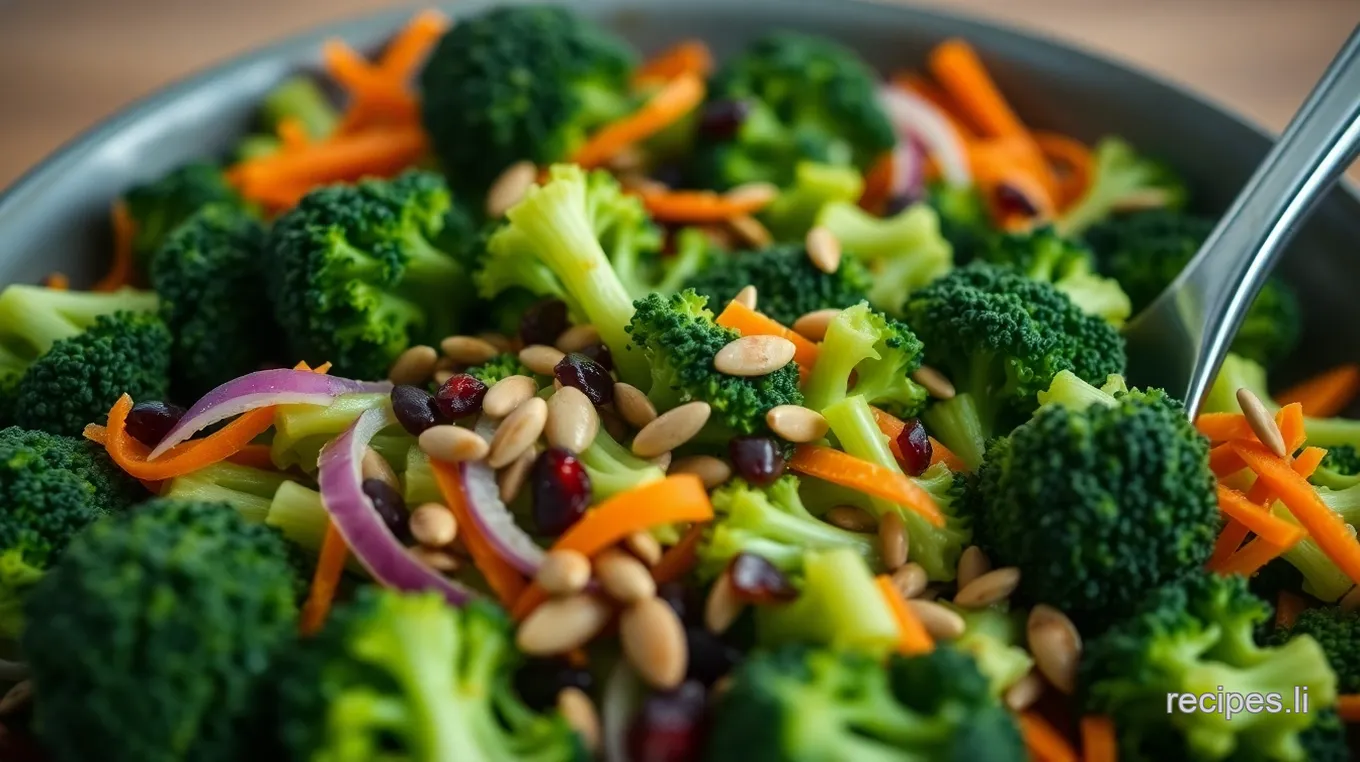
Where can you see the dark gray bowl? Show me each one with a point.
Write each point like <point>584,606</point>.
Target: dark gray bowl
<point>56,216</point>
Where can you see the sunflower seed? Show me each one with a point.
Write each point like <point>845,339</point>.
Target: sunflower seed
<point>541,358</point>
<point>992,587</point>
<point>559,625</point>
<point>510,187</point>
<point>851,519</point>
<point>892,540</point>
<point>823,249</point>
<point>579,712</point>
<point>940,622</point>
<point>623,577</point>
<point>578,337</point>
<point>633,405</point>
<point>795,423</point>
<point>756,194</point>
<point>710,470</point>
<point>671,429</point>
<point>563,572</point>
<point>507,394</point>
<point>813,325</point>
<point>518,432</point>
<point>754,355</point>
<point>1024,692</point>
<point>746,297</point>
<point>433,525</point>
<point>653,640</point>
<point>1056,646</point>
<point>467,350</point>
<point>572,420</point>
<point>510,480</point>
<point>644,546</point>
<point>750,231</point>
<point>374,466</point>
<point>909,579</point>
<point>1262,422</point>
<point>934,382</point>
<point>723,606</point>
<point>973,563</point>
<point>452,444</point>
<point>414,366</point>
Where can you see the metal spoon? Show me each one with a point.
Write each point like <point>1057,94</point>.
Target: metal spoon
<point>1178,341</point>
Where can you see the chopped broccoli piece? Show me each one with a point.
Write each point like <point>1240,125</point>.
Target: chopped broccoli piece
<point>151,640</point>
<point>1043,255</point>
<point>903,253</point>
<point>520,83</point>
<point>1338,633</point>
<point>1195,637</point>
<point>500,367</point>
<point>160,206</point>
<point>879,353</point>
<point>805,98</point>
<point>614,469</point>
<point>300,431</point>
<point>403,676</point>
<point>839,606</point>
<point>1122,177</point>
<point>787,283</point>
<point>1340,468</point>
<point>248,490</point>
<point>300,98</point>
<point>795,210</point>
<point>964,220</point>
<point>1072,392</point>
<point>299,515</point>
<point>995,639</point>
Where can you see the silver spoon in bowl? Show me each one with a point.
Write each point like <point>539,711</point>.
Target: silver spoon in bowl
<point>1179,340</point>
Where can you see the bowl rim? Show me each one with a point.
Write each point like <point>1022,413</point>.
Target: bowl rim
<point>305,44</point>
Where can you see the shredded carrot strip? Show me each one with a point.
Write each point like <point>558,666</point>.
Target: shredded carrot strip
<point>670,104</point>
<point>412,45</point>
<point>505,580</point>
<point>680,557</point>
<point>1229,540</point>
<point>677,498</point>
<point>684,57</point>
<point>959,71</point>
<point>748,322</point>
<point>1324,526</point>
<point>696,206</point>
<point>1304,465</point>
<point>254,456</point>
<point>1290,421</point>
<point>374,96</point>
<point>293,134</point>
<point>1224,462</point>
<point>1258,519</point>
<point>1098,741</point>
<point>124,233</point>
<point>1043,740</point>
<point>1250,558</point>
<point>870,478</point>
<point>912,635</point>
<point>878,184</point>
<point>57,282</point>
<point>917,84</point>
<point>995,169</point>
<point>330,566</point>
<point>1327,393</point>
<point>1348,707</point>
<point>892,426</point>
<point>1072,165</point>
<point>1224,427</point>
<point>1288,609</point>
<point>377,151</point>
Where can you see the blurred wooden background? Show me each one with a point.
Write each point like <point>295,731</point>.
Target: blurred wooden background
<point>66,64</point>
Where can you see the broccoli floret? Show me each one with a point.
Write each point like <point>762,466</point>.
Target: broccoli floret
<point>517,83</point>
<point>300,431</point>
<point>964,220</point>
<point>33,318</point>
<point>805,98</point>
<point>1338,632</point>
<point>51,488</point>
<point>613,468</point>
<point>839,605</point>
<point>1043,255</point>
<point>879,353</point>
<point>936,549</point>
<point>1145,251</point>
<point>1340,468</point>
<point>798,704</point>
<point>1001,338</point>
<point>795,210</point>
<point>501,366</point>
<point>356,277</point>
<point>774,524</point>
<point>160,206</point>
<point>678,340</point>
<point>995,639</point>
<point>1072,392</point>
<point>207,275</point>
<point>903,253</point>
<point>787,283</point>
<point>555,245</point>
<point>1095,506</point>
<point>151,638</point>
<point>1122,178</point>
<point>299,97</point>
<point>1195,637</point>
<point>403,676</point>
<point>1325,740</point>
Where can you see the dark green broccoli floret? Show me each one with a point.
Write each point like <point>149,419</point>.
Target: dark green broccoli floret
<point>208,276</point>
<point>1097,505</point>
<point>160,206</point>
<point>903,253</point>
<point>1043,255</point>
<point>1338,632</point>
<point>1325,740</point>
<point>772,523</point>
<point>1145,251</point>
<point>878,353</point>
<point>787,284</point>
<point>356,275</point>
<point>798,704</point>
<point>51,488</point>
<point>151,638</point>
<point>964,220</point>
<point>806,98</point>
<point>1195,637</point>
<point>614,468</point>
<point>794,211</point>
<point>401,676</point>
<point>499,367</point>
<point>1123,178</point>
<point>678,338</point>
<point>1001,338</point>
<point>1340,468</point>
<point>520,83</point>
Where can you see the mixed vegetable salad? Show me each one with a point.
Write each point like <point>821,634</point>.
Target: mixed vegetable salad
<point>534,401</point>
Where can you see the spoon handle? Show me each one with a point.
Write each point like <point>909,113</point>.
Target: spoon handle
<point>1208,300</point>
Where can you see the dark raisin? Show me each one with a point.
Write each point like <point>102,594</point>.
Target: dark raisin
<point>460,396</point>
<point>561,491</point>
<point>756,580</point>
<point>683,599</point>
<point>669,726</point>
<point>149,422</point>
<point>587,375</point>
<point>722,119</point>
<point>1011,200</point>
<point>543,322</point>
<point>539,680</point>
<point>415,409</point>
<point>600,354</point>
<point>914,444</point>
<point>756,459</point>
<point>390,506</point>
<point>710,657</point>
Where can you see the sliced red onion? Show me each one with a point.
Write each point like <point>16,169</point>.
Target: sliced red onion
<point>917,117</point>
<point>622,696</point>
<point>279,386</point>
<point>341,480</point>
<point>493,519</point>
<point>908,177</point>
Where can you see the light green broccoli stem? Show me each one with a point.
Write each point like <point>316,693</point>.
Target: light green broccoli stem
<point>613,469</point>
<point>1343,502</point>
<point>300,431</point>
<point>857,431</point>
<point>300,98</point>
<point>993,638</point>
<point>298,513</point>
<point>815,185</point>
<point>17,575</point>
<point>1322,578</point>
<point>249,490</point>
<point>1097,296</point>
<point>691,254</point>
<point>849,341</point>
<point>957,422</point>
<point>1068,390</point>
<point>553,221</point>
<point>904,252</point>
<point>417,479</point>
<point>257,147</point>
<point>33,318</point>
<point>840,606</point>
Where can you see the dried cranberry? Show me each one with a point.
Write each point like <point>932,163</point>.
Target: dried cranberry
<point>543,322</point>
<point>756,459</point>
<point>390,506</point>
<point>722,119</point>
<point>415,409</point>
<point>710,657</point>
<point>149,422</point>
<point>460,396</point>
<point>587,375</point>
<point>914,444</point>
<point>756,580</point>
<point>669,726</point>
<point>683,599</point>
<point>899,202</point>
<point>561,491</point>
<point>539,680</point>
<point>600,354</point>
<point>1011,200</point>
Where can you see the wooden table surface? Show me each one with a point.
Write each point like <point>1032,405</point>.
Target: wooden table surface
<point>66,64</point>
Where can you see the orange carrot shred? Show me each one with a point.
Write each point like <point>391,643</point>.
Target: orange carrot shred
<point>684,57</point>
<point>748,322</point>
<point>1249,558</point>
<point>1258,519</point>
<point>912,635</point>
<point>677,498</point>
<point>892,426</point>
<point>878,184</point>
<point>1327,393</point>
<point>410,47</point>
<point>917,84</point>
<point>1224,462</point>
<point>1288,608</point>
<point>1043,740</point>
<point>380,151</point>
<point>669,105</point>
<point>254,456</point>
<point>330,566</point>
<point>1290,421</point>
<point>1232,536</point>
<point>1098,741</point>
<point>57,281</point>
<point>505,580</point>
<point>846,470</point>
<point>124,233</point>
<point>374,95</point>
<point>293,133</point>
<point>679,558</point>
<point>1072,164</point>
<point>1224,427</point>
<point>696,206</point>
<point>1348,707</point>
<point>959,71</point>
